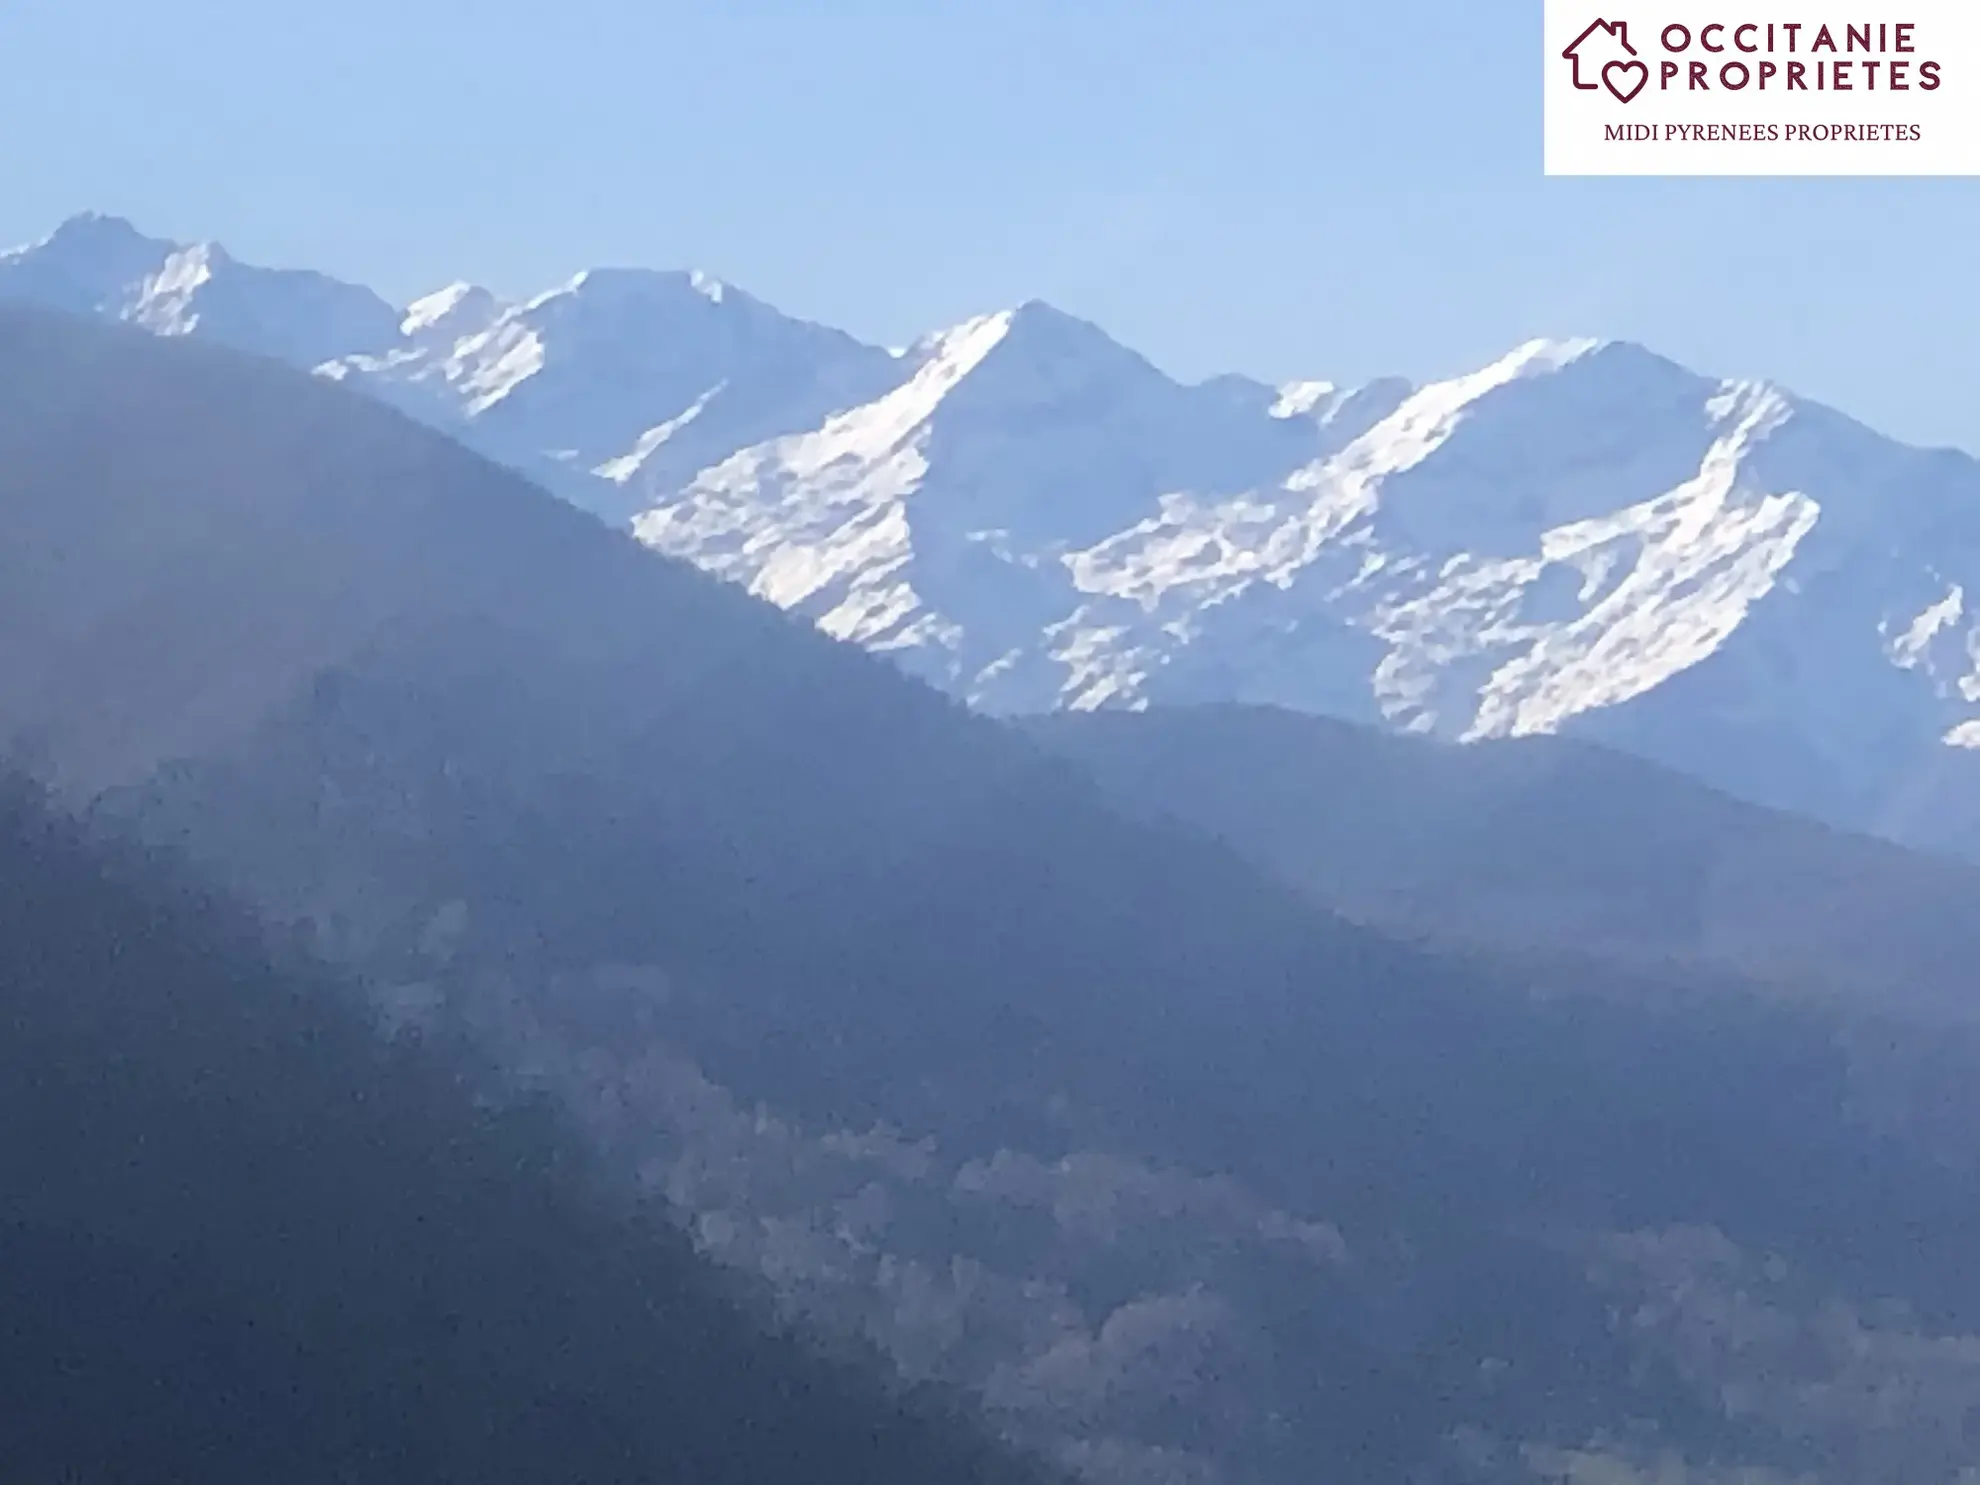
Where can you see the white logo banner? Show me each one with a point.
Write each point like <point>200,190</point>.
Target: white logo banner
<point>1762,88</point>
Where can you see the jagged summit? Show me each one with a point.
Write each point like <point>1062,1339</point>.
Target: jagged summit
<point>91,231</point>
<point>104,265</point>
<point>457,310</point>
<point>88,265</point>
<point>620,381</point>
<point>1581,536</point>
<point>652,282</point>
<point>643,286</point>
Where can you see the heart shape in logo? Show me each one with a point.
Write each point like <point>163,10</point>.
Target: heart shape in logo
<point>1637,73</point>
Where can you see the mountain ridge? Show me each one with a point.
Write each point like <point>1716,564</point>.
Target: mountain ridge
<point>1582,538</point>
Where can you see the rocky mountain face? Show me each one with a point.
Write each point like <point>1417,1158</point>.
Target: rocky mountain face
<point>1178,1176</point>
<point>1581,538</point>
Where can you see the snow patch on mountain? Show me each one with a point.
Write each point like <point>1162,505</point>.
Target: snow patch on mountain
<point>833,499</point>
<point>166,304</point>
<point>453,313</point>
<point>1703,554</point>
<point>1942,643</point>
<point>628,466</point>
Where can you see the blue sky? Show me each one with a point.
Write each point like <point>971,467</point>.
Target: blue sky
<point>1287,189</point>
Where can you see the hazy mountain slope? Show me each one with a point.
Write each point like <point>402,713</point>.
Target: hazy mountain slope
<point>240,1241</point>
<point>612,386</point>
<point>630,380</point>
<point>102,265</point>
<point>1545,841</point>
<point>1037,1115</point>
<point>1182,1178</point>
<point>1579,538</point>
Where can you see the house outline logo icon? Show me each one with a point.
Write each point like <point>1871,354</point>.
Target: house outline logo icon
<point>1624,79</point>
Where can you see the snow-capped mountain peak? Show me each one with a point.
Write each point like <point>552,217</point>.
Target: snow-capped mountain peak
<point>1581,536</point>
<point>619,380</point>
<point>1305,399</point>
<point>103,265</point>
<point>457,311</point>
<point>87,265</point>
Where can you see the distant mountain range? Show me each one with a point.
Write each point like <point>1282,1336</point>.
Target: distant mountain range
<point>1181,1177</point>
<point>1581,538</point>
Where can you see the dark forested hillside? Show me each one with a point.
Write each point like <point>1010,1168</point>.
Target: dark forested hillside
<point>1544,840</point>
<point>1184,1178</point>
<point>242,1240</point>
